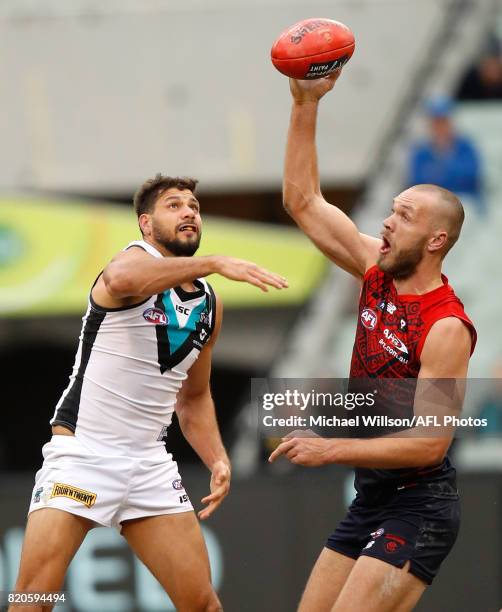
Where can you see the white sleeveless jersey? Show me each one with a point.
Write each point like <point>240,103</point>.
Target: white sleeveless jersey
<point>130,365</point>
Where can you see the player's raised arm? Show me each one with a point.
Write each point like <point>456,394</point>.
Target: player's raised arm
<point>327,226</point>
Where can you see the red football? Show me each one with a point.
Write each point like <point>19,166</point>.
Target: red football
<point>313,48</point>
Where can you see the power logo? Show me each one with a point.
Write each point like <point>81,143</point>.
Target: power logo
<point>36,496</point>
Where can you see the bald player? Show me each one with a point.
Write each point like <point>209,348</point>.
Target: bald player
<point>405,517</point>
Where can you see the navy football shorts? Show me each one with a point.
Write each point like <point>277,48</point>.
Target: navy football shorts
<point>418,524</point>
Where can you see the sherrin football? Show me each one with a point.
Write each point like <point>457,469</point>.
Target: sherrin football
<point>313,48</point>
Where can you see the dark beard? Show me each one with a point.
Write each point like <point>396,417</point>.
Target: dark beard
<point>404,265</point>
<point>177,247</point>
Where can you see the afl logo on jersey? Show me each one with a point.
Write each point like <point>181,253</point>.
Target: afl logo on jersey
<point>369,318</point>
<point>155,316</point>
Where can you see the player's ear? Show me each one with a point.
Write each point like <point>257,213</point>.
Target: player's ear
<point>437,242</point>
<point>145,224</point>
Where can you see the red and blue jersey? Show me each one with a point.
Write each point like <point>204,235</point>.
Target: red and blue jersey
<point>392,328</point>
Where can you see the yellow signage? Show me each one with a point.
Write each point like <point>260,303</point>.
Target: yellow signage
<point>51,253</point>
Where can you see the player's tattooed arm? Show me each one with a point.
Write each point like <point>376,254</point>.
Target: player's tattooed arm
<point>331,230</point>
<point>197,419</point>
<point>445,356</point>
<point>135,274</point>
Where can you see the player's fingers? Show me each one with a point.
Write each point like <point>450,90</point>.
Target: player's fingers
<point>206,512</point>
<point>274,277</point>
<point>257,270</point>
<point>334,75</point>
<point>282,449</point>
<point>298,459</point>
<point>219,493</point>
<point>276,280</point>
<point>292,453</point>
<point>257,282</point>
<point>267,281</point>
<point>277,453</point>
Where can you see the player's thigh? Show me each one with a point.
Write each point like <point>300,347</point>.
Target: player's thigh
<point>173,549</point>
<point>52,538</point>
<point>376,586</point>
<point>326,581</point>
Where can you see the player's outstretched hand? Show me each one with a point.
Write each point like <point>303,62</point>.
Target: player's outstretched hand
<point>249,272</point>
<point>220,486</point>
<point>312,91</point>
<point>304,448</point>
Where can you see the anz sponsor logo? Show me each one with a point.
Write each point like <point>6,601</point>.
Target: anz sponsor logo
<point>155,316</point>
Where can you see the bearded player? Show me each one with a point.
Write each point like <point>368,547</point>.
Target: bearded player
<point>405,517</point>
<point>145,351</point>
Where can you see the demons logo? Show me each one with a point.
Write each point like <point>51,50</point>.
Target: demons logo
<point>155,316</point>
<point>393,542</point>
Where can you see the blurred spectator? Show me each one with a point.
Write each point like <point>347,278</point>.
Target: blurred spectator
<point>446,158</point>
<point>491,406</point>
<point>484,80</point>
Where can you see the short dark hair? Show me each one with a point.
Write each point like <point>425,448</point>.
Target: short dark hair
<point>151,189</point>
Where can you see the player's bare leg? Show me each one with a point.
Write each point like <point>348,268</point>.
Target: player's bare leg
<point>326,581</point>
<point>376,586</point>
<point>173,549</point>
<point>51,540</point>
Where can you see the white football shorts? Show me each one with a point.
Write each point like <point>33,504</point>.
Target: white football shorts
<point>106,489</point>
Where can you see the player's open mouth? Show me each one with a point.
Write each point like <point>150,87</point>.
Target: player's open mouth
<point>187,227</point>
<point>385,248</point>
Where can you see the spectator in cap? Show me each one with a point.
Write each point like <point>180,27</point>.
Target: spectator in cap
<point>446,158</point>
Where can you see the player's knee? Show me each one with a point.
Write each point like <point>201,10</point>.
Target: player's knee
<point>39,577</point>
<point>37,583</point>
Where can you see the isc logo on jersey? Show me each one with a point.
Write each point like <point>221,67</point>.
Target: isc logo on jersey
<point>369,318</point>
<point>155,316</point>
